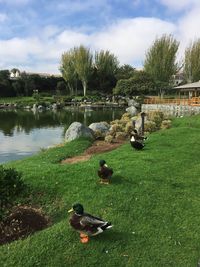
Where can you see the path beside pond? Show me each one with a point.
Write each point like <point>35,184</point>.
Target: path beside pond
<point>96,148</point>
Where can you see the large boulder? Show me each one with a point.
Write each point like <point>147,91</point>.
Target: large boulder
<point>132,110</point>
<point>102,127</point>
<point>132,102</point>
<point>76,130</point>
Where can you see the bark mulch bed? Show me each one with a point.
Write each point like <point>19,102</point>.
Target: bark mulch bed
<point>22,222</point>
<point>96,148</point>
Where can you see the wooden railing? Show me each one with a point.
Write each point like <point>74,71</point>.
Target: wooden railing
<point>194,101</point>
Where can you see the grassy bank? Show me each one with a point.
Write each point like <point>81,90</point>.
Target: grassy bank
<point>153,203</point>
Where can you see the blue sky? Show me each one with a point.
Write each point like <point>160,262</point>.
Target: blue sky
<point>35,33</point>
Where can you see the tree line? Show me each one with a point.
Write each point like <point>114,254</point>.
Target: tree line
<point>157,76</point>
<point>84,72</point>
<point>27,84</point>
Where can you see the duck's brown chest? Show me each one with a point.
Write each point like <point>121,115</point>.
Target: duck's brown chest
<point>75,222</point>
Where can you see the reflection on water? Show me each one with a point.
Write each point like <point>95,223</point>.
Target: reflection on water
<point>23,133</point>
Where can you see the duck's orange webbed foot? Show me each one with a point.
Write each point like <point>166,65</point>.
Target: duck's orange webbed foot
<point>84,238</point>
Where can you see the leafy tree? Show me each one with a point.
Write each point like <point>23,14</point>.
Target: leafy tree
<point>61,86</point>
<point>68,70</point>
<point>106,65</point>
<point>83,65</point>
<point>192,62</point>
<point>125,72</point>
<point>29,83</point>
<point>160,61</point>
<point>140,83</point>
<point>5,84</point>
<point>18,87</point>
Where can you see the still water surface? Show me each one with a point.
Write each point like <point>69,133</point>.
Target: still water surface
<point>23,133</point>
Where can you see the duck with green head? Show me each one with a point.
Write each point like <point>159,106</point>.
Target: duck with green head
<point>86,224</point>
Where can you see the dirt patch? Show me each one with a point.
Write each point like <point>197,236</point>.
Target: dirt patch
<point>22,222</point>
<point>96,148</point>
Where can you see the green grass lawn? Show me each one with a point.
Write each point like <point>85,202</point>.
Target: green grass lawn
<point>153,203</point>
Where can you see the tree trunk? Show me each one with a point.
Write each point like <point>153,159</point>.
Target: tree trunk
<point>84,88</point>
<point>71,89</point>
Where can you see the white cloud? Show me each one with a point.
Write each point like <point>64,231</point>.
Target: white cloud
<point>180,4</point>
<point>129,39</point>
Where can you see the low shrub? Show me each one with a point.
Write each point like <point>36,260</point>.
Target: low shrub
<point>120,136</point>
<point>109,138</point>
<point>126,116</point>
<point>157,117</point>
<point>99,135</point>
<point>150,126</point>
<point>11,185</point>
<point>129,127</point>
<point>166,124</point>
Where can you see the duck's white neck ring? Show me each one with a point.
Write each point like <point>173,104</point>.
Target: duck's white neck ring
<point>78,214</point>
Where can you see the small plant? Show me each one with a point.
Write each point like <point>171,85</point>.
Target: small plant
<point>150,126</point>
<point>109,138</point>
<point>157,117</point>
<point>11,185</point>
<point>121,136</point>
<point>98,134</point>
<point>166,124</point>
<point>36,95</point>
<point>129,128</point>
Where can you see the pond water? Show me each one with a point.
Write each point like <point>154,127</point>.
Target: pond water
<point>23,133</point>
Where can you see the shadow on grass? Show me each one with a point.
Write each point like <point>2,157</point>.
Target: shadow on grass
<point>111,235</point>
<point>117,179</point>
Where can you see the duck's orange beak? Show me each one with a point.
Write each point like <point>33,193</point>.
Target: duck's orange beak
<point>70,210</point>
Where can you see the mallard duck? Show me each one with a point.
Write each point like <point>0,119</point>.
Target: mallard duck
<point>86,224</point>
<point>104,172</point>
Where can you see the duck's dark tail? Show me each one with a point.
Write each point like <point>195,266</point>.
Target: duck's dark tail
<point>137,145</point>
<point>108,225</point>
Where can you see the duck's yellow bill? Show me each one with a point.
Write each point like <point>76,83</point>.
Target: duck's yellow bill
<point>70,210</point>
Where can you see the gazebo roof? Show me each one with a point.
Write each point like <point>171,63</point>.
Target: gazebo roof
<point>189,86</point>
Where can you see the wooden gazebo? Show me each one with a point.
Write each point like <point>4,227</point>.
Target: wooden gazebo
<point>187,94</point>
<point>189,89</point>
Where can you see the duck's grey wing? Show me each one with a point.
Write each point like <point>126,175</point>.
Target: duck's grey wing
<point>91,220</point>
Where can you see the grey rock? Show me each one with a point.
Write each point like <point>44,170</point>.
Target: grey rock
<point>76,130</point>
<point>132,102</point>
<point>102,127</point>
<point>132,110</point>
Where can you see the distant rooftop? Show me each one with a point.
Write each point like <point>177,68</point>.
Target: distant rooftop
<point>189,86</point>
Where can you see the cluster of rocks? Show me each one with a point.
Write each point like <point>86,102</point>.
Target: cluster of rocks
<point>118,129</point>
<point>8,106</point>
<point>33,107</point>
<point>110,101</point>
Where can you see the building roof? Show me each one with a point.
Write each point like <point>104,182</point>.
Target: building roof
<point>189,86</point>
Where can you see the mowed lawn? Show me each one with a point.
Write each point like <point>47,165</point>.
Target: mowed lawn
<point>153,203</point>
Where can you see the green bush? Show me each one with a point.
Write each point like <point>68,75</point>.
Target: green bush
<point>166,124</point>
<point>157,117</point>
<point>11,185</point>
<point>150,126</point>
<point>109,138</point>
